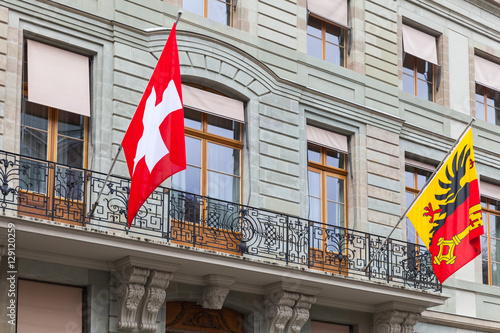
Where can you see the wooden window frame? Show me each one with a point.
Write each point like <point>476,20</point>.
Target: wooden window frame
<point>207,137</point>
<point>415,191</point>
<point>51,154</point>
<point>324,25</point>
<point>415,78</point>
<point>325,170</point>
<point>484,103</point>
<point>488,212</point>
<point>205,9</point>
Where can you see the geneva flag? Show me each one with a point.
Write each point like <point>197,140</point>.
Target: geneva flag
<point>447,214</point>
<point>154,144</point>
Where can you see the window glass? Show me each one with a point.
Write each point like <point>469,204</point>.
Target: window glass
<point>326,185</point>
<point>325,41</point>
<point>487,104</point>
<point>314,154</point>
<point>36,116</point>
<point>224,127</point>
<point>219,11</point>
<point>195,6</point>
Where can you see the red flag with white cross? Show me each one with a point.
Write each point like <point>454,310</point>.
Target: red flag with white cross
<point>154,143</point>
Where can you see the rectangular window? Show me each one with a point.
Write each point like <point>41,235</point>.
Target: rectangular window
<point>54,128</point>
<point>217,10</point>
<point>47,308</point>
<point>415,179</point>
<point>327,178</point>
<point>420,63</point>
<point>487,76</point>
<point>490,241</point>
<point>327,28</point>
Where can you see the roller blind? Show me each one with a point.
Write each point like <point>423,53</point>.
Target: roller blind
<point>58,78</point>
<point>334,11</point>
<point>327,139</point>
<point>47,308</point>
<point>212,103</point>
<point>490,190</point>
<point>420,44</point>
<point>487,73</point>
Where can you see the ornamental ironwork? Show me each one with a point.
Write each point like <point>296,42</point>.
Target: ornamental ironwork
<point>52,191</point>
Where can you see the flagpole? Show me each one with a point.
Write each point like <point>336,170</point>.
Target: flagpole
<point>91,213</point>
<point>419,193</point>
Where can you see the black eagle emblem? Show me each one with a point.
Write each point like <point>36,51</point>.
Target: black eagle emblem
<point>453,194</point>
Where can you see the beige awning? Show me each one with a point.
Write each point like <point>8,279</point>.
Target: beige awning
<point>58,78</point>
<point>420,44</point>
<point>47,307</point>
<point>487,73</point>
<point>489,190</point>
<point>327,139</point>
<point>334,11</point>
<point>218,105</point>
<point>419,165</point>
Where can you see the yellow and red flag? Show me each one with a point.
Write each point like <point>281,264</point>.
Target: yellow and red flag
<point>447,214</point>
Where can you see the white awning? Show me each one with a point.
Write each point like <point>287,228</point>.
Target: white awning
<point>334,11</point>
<point>489,190</point>
<point>47,307</point>
<point>327,139</point>
<point>58,78</point>
<point>419,165</point>
<point>420,44</point>
<point>487,73</point>
<point>218,105</point>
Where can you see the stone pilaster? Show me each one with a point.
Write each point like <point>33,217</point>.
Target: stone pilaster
<point>155,294</point>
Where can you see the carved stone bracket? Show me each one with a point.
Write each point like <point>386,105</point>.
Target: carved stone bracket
<point>154,297</point>
<point>395,321</point>
<point>215,291</point>
<point>300,313</point>
<point>141,292</point>
<point>279,309</point>
<point>130,292</point>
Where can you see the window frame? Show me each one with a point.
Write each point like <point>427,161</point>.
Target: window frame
<point>415,78</point>
<point>324,26</point>
<point>415,191</point>
<point>487,213</point>
<point>325,171</point>
<point>205,137</point>
<point>485,104</point>
<point>205,9</point>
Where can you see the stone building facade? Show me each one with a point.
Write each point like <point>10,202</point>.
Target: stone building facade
<point>310,126</point>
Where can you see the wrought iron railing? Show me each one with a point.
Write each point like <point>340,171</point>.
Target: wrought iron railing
<point>57,192</point>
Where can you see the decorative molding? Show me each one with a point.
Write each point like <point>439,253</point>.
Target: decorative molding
<point>279,309</point>
<point>395,321</point>
<point>215,291</point>
<point>155,296</point>
<point>300,313</point>
<point>140,289</point>
<point>130,292</point>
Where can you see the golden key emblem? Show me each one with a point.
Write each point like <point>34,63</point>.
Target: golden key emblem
<point>475,220</point>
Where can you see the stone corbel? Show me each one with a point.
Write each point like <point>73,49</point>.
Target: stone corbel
<point>141,292</point>
<point>155,296</point>
<point>215,291</point>
<point>130,292</point>
<point>396,318</point>
<point>300,313</point>
<point>279,309</point>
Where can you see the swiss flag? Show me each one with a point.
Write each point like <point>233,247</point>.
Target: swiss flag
<point>154,144</point>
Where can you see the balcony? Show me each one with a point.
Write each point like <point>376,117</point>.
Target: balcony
<point>50,191</point>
